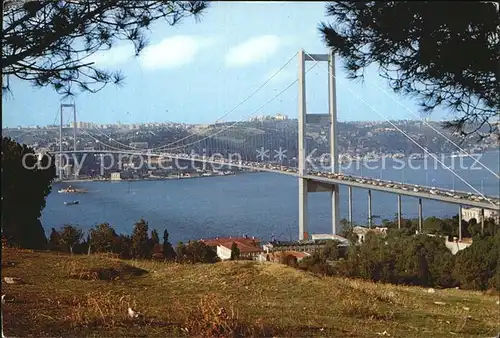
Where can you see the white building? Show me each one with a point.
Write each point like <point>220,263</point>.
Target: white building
<point>116,176</point>
<point>362,231</point>
<point>341,239</point>
<point>455,246</point>
<point>249,247</point>
<point>224,253</point>
<point>81,124</point>
<point>277,117</point>
<point>280,117</point>
<point>470,213</point>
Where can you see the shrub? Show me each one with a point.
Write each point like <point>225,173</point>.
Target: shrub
<point>289,260</point>
<point>235,252</point>
<point>477,267</point>
<point>397,258</point>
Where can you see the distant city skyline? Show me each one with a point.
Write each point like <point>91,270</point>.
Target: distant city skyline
<point>89,124</point>
<point>197,72</point>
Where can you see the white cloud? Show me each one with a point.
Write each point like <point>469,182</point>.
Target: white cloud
<point>173,52</point>
<point>116,56</point>
<point>254,50</point>
<point>169,53</point>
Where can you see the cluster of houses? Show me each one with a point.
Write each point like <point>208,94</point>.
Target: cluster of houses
<point>254,249</point>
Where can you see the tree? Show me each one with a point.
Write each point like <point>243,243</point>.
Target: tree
<point>348,231</point>
<point>490,227</point>
<point>124,246</point>
<point>181,252</point>
<point>235,252</point>
<point>25,185</point>
<point>155,239</point>
<point>88,241</point>
<point>168,250</point>
<point>141,247</point>
<point>473,227</point>
<point>199,252</point>
<point>54,240</point>
<point>476,266</point>
<point>71,236</point>
<point>331,251</point>
<point>48,43</point>
<point>443,53</point>
<point>195,252</point>
<point>102,238</point>
<point>433,225</point>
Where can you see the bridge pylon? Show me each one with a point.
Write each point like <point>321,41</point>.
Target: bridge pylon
<point>305,185</point>
<point>61,126</point>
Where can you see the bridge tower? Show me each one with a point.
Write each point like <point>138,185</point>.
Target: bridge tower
<point>306,185</point>
<point>62,106</point>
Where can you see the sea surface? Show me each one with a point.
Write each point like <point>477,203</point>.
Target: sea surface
<point>258,204</point>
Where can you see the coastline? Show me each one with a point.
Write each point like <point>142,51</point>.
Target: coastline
<point>81,180</point>
<point>345,162</point>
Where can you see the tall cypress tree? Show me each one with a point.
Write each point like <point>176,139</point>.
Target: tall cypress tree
<point>25,185</point>
<point>141,247</point>
<point>168,250</point>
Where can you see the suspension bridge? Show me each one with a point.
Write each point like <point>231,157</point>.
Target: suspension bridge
<point>296,152</point>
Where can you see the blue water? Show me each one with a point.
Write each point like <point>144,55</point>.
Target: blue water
<point>257,204</point>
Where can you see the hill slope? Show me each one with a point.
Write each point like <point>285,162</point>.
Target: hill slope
<point>89,296</point>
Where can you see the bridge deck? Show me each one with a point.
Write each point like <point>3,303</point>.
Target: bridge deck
<point>492,204</point>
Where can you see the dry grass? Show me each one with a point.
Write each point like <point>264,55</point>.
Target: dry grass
<point>98,309</point>
<point>78,296</point>
<point>111,271</point>
<point>210,318</point>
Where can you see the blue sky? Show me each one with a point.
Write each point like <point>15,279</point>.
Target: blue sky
<point>196,72</point>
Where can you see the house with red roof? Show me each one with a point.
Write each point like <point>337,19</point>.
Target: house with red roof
<point>249,246</point>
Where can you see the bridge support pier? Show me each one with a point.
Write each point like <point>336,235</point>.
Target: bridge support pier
<point>303,225</point>
<point>306,185</point>
<point>369,209</point>
<point>420,218</point>
<point>60,171</point>
<point>61,112</point>
<point>482,221</point>
<point>460,223</point>
<point>399,211</point>
<point>350,205</point>
<point>335,210</point>
<point>334,162</point>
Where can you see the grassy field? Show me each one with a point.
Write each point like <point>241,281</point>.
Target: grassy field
<point>89,295</point>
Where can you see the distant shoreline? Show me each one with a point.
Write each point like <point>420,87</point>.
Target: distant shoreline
<point>81,180</point>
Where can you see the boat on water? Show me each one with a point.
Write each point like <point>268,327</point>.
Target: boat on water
<point>69,190</point>
<point>71,202</point>
<point>65,191</point>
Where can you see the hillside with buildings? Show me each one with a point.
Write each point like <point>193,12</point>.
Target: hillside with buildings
<point>55,294</point>
<point>356,139</point>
